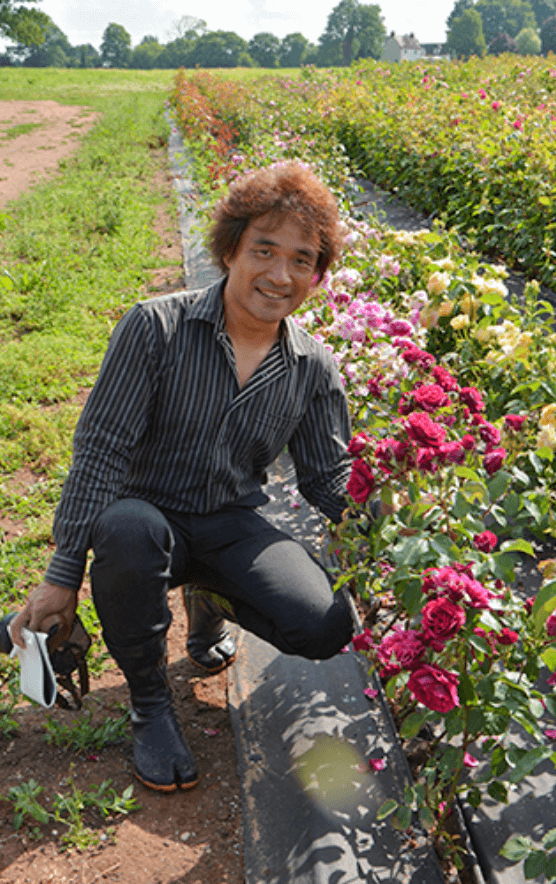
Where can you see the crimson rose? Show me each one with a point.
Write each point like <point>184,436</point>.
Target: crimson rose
<point>441,620</point>
<point>361,481</point>
<point>435,688</point>
<point>425,431</point>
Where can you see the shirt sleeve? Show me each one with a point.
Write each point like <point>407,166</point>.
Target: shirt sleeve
<point>319,447</point>
<point>113,420</point>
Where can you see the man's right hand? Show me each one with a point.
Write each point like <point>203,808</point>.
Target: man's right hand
<point>47,604</point>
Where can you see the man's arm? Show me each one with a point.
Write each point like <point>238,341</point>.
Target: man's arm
<point>319,447</point>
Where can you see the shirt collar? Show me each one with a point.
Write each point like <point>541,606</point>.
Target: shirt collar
<point>208,307</point>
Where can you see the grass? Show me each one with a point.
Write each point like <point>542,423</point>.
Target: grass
<point>16,131</point>
<point>76,252</point>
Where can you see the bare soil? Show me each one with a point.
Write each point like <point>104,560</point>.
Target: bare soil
<point>182,838</point>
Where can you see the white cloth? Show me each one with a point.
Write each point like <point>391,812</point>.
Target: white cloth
<point>37,680</point>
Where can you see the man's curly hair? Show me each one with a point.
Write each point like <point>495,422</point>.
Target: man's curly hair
<point>289,189</point>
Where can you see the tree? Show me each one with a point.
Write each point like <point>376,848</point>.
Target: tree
<point>219,49</point>
<point>509,16</point>
<point>186,26</point>
<point>115,49</point>
<point>86,56</point>
<point>466,37</point>
<point>55,50</point>
<point>347,29</point>
<point>459,8</point>
<point>21,24</point>
<point>371,33</point>
<point>528,42</point>
<point>501,44</point>
<point>543,9</point>
<point>176,54</point>
<point>548,35</point>
<point>264,48</point>
<point>292,50</point>
<point>145,56</point>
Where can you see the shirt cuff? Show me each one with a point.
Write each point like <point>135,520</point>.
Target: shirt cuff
<point>66,571</point>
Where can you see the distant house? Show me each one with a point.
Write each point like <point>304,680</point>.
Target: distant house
<point>406,48</point>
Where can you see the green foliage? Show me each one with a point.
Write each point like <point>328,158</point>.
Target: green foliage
<point>82,736</point>
<point>466,37</point>
<point>115,49</point>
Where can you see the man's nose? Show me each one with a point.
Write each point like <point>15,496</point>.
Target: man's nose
<point>279,271</point>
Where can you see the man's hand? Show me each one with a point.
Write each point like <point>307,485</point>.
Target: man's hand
<point>48,604</point>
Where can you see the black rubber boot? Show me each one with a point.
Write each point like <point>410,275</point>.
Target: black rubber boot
<point>162,759</point>
<point>210,646</point>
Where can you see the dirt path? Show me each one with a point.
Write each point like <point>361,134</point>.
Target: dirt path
<point>34,137</point>
<point>184,838</point>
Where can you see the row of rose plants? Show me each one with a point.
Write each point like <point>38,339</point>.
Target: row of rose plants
<point>454,416</point>
<point>471,142</point>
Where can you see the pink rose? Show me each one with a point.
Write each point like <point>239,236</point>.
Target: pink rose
<point>441,620</point>
<point>358,444</point>
<point>430,397</point>
<point>424,431</point>
<point>471,397</point>
<point>551,624</point>
<point>485,542</point>
<point>445,379</point>
<point>515,421</point>
<point>435,688</point>
<point>470,760</point>
<point>494,459</point>
<point>468,442</point>
<point>361,481</point>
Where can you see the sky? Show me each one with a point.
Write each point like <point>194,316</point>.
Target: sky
<point>84,21</point>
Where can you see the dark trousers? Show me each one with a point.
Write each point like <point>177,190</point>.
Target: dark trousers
<point>278,591</point>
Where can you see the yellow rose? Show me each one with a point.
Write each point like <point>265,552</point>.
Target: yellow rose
<point>445,308</point>
<point>459,322</point>
<point>548,416</point>
<point>428,317</point>
<point>483,335</point>
<point>438,283</point>
<point>547,437</point>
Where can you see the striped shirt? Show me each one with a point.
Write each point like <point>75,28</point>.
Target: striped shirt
<point>168,422</point>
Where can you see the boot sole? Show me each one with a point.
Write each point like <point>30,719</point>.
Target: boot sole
<point>162,788</point>
<point>211,670</point>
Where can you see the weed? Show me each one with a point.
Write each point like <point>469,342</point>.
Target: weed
<point>82,735</point>
<point>68,808</point>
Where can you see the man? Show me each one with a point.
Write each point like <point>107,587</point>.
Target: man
<point>197,395</point>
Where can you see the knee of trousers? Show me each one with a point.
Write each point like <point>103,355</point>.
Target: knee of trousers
<point>131,537</point>
<point>324,637</point>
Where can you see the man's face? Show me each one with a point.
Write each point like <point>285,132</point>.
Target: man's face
<point>270,274</point>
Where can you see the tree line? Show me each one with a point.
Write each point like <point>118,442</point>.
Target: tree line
<point>498,26</point>
<point>354,30</point>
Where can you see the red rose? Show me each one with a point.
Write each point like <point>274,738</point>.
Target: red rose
<point>479,595</point>
<point>452,452</point>
<point>485,542</point>
<point>507,636</point>
<point>401,649</point>
<point>441,620</point>
<point>471,397</point>
<point>494,459</point>
<point>435,688</point>
<point>515,421</point>
<point>489,433</point>
<point>424,431</point>
<point>430,397</point>
<point>361,481</point>
<point>358,444</point>
<point>468,442</point>
<point>444,378</point>
<point>364,641</point>
<point>551,625</point>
